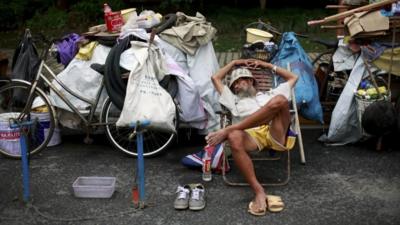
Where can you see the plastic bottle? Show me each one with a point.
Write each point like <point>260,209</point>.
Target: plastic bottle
<point>107,9</point>
<point>207,174</point>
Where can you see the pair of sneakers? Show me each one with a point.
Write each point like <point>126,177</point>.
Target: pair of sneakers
<point>190,196</point>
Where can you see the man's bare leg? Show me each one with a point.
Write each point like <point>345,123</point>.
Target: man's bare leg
<point>241,143</point>
<point>280,124</point>
<point>261,117</point>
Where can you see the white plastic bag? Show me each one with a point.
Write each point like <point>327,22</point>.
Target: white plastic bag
<point>147,19</point>
<point>145,98</point>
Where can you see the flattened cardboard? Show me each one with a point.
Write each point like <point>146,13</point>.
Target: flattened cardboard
<point>366,22</point>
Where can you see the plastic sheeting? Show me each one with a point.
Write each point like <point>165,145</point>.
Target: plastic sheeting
<point>343,58</point>
<point>345,127</point>
<point>191,104</point>
<point>306,89</point>
<point>80,78</point>
<point>388,63</point>
<point>145,98</point>
<point>201,67</point>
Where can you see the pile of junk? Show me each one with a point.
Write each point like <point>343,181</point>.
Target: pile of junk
<point>367,57</point>
<point>177,48</point>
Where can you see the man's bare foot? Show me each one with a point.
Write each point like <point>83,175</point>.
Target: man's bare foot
<point>258,205</point>
<point>259,201</point>
<point>217,137</point>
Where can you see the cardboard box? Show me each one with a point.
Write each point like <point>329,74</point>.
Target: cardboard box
<point>366,22</point>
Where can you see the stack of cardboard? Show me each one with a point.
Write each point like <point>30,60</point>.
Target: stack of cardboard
<point>367,24</point>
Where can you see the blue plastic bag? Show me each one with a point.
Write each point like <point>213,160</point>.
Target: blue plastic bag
<point>306,90</point>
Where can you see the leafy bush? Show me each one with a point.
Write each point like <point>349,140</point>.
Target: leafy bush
<point>91,11</point>
<point>12,13</point>
<point>52,19</point>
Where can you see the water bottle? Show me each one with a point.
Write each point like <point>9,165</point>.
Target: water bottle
<point>106,9</point>
<point>207,174</point>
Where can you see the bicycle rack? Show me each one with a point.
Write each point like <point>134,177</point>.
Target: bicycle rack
<point>138,196</point>
<point>24,158</point>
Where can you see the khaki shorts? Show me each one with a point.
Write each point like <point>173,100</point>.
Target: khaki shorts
<point>262,136</point>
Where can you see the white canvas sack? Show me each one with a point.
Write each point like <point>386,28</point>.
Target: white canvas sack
<point>145,98</point>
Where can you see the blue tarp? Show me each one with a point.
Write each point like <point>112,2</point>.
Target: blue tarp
<point>291,54</point>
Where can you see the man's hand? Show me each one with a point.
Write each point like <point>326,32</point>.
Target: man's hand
<point>255,63</point>
<point>244,62</point>
<point>217,137</point>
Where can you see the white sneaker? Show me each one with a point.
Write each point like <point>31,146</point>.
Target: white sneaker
<point>182,197</point>
<point>197,201</point>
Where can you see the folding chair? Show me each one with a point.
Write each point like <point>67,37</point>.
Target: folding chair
<point>265,81</point>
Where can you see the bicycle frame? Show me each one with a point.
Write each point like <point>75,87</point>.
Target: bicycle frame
<point>34,85</point>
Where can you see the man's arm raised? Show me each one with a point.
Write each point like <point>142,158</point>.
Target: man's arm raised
<point>290,77</point>
<point>218,77</point>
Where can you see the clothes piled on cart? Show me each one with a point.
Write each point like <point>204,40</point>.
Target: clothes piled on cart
<point>82,79</point>
<point>369,49</point>
<point>185,52</point>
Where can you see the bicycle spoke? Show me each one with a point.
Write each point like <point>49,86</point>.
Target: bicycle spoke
<point>14,99</point>
<point>154,142</point>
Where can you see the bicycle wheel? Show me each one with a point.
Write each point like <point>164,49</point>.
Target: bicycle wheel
<point>323,58</point>
<point>154,142</point>
<point>13,98</point>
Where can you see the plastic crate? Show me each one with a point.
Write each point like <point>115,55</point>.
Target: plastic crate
<point>94,187</point>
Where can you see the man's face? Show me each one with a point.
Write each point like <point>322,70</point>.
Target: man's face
<point>243,87</point>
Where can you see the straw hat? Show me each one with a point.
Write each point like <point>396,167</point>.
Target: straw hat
<point>239,73</point>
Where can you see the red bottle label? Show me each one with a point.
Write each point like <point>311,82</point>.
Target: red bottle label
<point>113,21</point>
<point>207,165</point>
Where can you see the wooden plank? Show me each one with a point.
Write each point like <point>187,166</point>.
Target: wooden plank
<point>236,55</point>
<point>228,57</point>
<point>342,15</point>
<point>225,57</point>
<point>221,59</point>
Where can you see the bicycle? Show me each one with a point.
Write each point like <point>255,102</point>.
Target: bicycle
<point>20,110</point>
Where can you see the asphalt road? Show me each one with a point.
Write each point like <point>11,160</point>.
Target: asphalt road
<point>338,185</point>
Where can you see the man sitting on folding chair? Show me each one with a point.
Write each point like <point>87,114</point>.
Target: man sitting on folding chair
<point>260,120</point>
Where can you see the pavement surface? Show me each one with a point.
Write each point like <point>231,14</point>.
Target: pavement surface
<point>338,185</point>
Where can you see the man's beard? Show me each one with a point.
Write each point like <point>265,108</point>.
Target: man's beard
<point>247,92</point>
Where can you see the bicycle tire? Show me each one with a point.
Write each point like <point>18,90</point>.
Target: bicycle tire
<point>323,57</point>
<point>39,134</point>
<point>154,142</point>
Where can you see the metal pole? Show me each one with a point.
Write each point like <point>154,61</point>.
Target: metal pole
<point>138,131</point>
<point>24,156</point>
<point>25,167</point>
<point>139,139</point>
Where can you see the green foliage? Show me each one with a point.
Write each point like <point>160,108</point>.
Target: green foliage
<point>91,11</point>
<point>11,13</point>
<point>231,21</point>
<point>177,5</point>
<point>52,19</point>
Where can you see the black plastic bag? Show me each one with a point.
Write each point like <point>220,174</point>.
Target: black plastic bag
<point>25,64</point>
<point>379,118</point>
